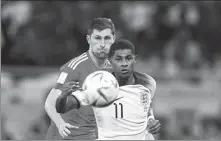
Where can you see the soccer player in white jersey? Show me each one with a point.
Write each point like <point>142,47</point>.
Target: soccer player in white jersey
<point>131,116</point>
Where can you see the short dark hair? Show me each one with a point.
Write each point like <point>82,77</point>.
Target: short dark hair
<point>101,24</point>
<point>121,44</point>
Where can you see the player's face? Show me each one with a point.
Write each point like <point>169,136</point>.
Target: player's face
<point>100,42</point>
<point>123,62</point>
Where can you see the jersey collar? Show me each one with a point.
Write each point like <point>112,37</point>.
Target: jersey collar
<point>135,77</point>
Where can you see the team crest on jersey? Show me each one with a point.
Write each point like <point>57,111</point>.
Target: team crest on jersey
<point>145,99</point>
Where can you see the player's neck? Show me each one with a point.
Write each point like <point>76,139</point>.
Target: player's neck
<point>126,81</point>
<point>97,61</point>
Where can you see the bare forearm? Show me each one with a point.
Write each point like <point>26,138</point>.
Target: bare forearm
<point>50,106</point>
<point>150,112</point>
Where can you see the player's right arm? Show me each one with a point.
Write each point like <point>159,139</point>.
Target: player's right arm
<point>67,74</point>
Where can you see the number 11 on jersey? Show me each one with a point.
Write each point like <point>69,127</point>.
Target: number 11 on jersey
<point>119,106</point>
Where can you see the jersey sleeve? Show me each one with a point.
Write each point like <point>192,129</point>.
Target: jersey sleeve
<point>148,82</point>
<point>66,74</point>
<point>81,97</point>
<point>151,85</point>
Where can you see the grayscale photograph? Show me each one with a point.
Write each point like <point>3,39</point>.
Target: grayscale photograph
<point>110,70</point>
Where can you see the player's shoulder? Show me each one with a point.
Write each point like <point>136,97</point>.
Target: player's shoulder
<point>145,79</point>
<point>76,62</point>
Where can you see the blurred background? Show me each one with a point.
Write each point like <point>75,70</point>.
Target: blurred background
<point>178,43</point>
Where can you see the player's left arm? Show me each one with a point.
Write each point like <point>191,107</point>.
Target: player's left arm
<point>154,125</point>
<point>151,85</point>
<point>150,112</point>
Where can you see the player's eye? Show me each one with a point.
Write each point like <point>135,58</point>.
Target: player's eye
<point>98,38</point>
<point>118,59</point>
<point>107,37</point>
<point>129,58</point>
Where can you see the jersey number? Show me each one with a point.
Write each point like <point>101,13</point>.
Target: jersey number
<point>121,110</point>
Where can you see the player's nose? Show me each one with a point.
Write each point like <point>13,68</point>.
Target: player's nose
<point>102,44</point>
<point>124,63</point>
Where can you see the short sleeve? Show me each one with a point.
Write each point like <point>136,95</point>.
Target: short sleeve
<point>66,74</point>
<point>81,97</point>
<point>152,86</point>
<point>71,71</point>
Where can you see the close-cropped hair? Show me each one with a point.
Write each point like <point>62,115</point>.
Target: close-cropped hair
<point>121,44</point>
<point>101,24</point>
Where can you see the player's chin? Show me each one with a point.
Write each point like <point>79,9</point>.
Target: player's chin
<point>125,74</point>
<point>102,55</point>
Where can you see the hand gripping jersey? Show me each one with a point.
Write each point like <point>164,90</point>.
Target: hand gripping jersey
<point>126,118</point>
<point>77,69</point>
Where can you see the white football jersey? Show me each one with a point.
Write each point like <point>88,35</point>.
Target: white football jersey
<point>126,118</point>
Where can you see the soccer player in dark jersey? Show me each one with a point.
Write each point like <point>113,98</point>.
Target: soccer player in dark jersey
<point>130,117</point>
<point>80,124</point>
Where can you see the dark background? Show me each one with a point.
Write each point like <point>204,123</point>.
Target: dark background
<point>178,43</point>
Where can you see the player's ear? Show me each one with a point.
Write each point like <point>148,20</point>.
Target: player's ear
<point>114,38</point>
<point>88,39</point>
<point>135,58</point>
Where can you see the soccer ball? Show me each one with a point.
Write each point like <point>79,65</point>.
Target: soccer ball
<point>101,88</point>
